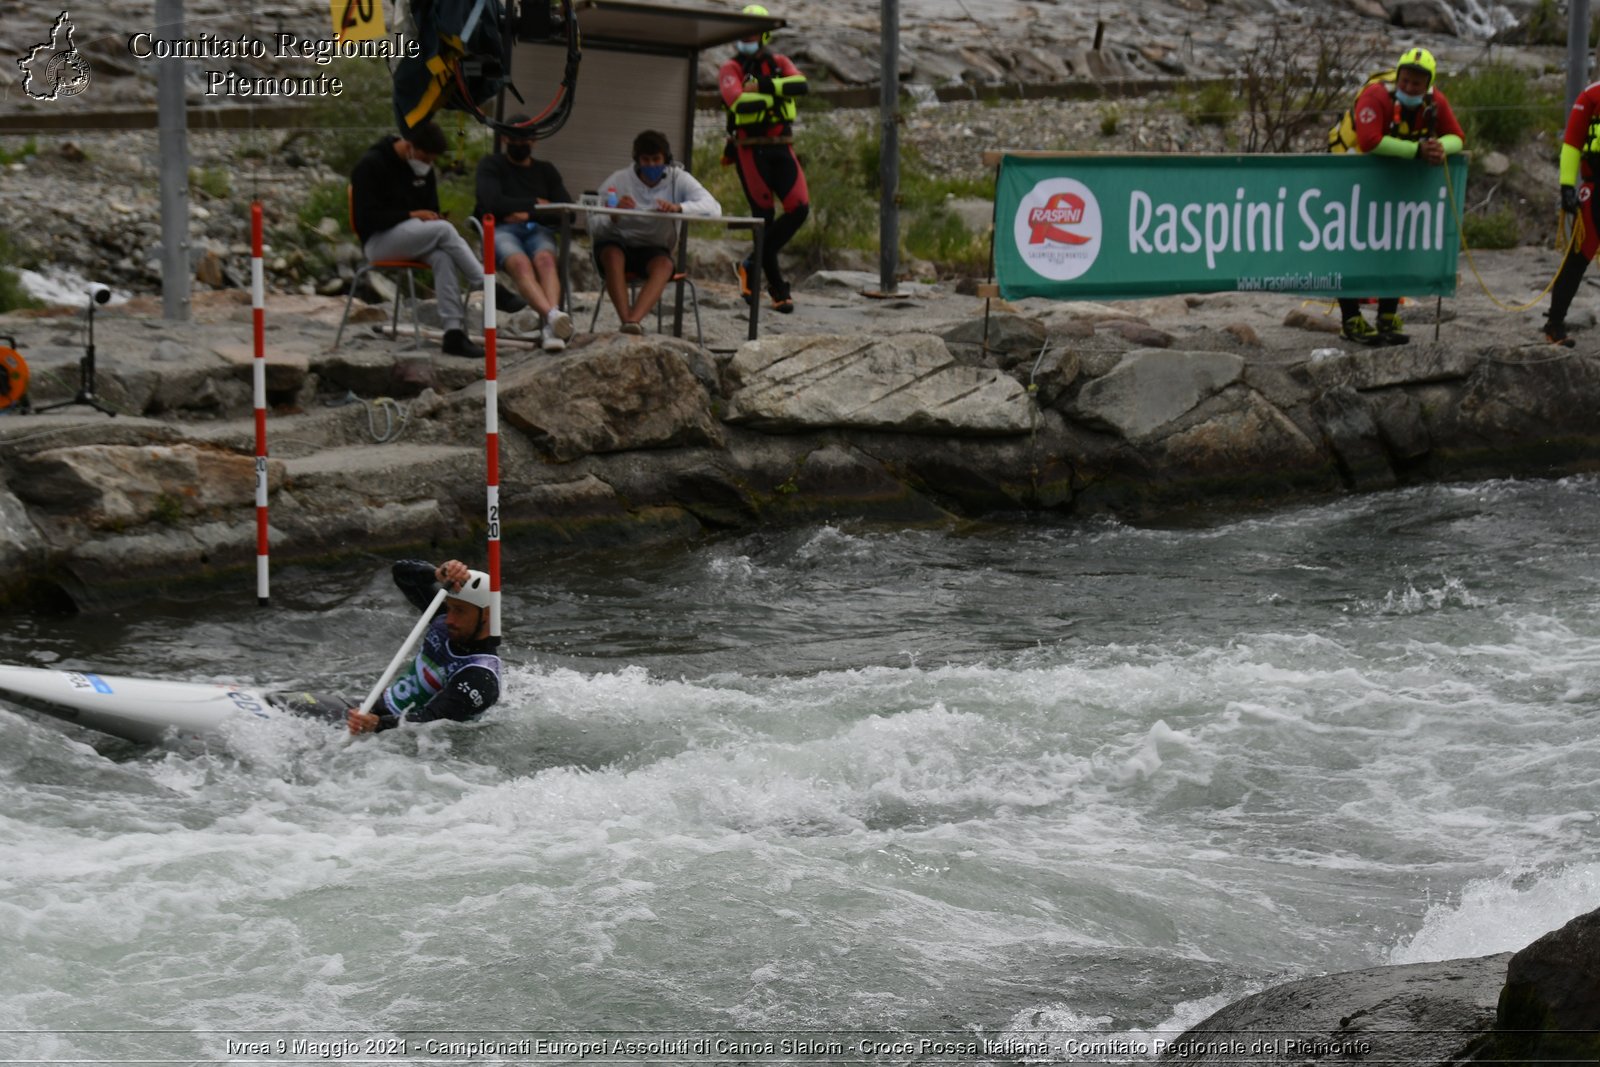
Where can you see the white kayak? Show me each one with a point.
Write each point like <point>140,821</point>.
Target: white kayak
<point>138,709</point>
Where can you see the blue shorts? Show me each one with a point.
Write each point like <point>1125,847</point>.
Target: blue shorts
<point>522,239</point>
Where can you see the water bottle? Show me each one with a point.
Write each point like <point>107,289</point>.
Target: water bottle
<point>611,196</point>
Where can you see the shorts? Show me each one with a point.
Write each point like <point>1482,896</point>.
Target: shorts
<point>635,258</point>
<point>522,239</point>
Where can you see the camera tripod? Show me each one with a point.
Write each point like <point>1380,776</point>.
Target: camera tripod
<point>86,377</point>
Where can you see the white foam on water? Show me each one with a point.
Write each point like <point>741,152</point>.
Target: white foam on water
<point>1502,914</point>
<point>62,287</point>
<point>888,842</point>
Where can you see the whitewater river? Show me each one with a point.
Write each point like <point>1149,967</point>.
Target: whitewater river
<point>832,783</point>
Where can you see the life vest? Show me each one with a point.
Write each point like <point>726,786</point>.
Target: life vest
<point>1591,146</point>
<point>1342,136</point>
<point>780,111</point>
<point>435,664</point>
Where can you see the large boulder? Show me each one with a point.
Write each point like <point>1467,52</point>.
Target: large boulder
<point>1541,403</point>
<point>1003,339</point>
<point>1378,368</point>
<point>1237,442</point>
<point>1550,1006</point>
<point>614,397</point>
<point>1416,1013</point>
<point>114,486</point>
<point>1149,388</point>
<point>907,384</point>
<point>1355,438</point>
<point>21,543</point>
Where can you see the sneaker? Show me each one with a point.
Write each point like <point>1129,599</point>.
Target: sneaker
<point>552,343</point>
<point>781,300</point>
<point>457,343</point>
<point>1357,329</point>
<point>560,324</point>
<point>1391,328</point>
<point>742,269</point>
<point>1556,334</point>
<point>633,329</point>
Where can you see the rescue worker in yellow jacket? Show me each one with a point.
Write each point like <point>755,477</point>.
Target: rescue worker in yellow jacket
<point>758,88</point>
<point>1406,118</point>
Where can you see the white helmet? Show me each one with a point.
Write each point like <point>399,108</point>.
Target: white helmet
<point>475,590</point>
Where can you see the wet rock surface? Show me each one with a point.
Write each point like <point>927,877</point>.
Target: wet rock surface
<point>908,411</point>
<point>1538,1005</point>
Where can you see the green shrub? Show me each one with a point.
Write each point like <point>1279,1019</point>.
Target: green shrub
<point>842,176</point>
<point>1496,105</point>
<point>213,181</point>
<point>344,126</point>
<point>30,147</point>
<point>1496,229</point>
<point>1110,119</point>
<point>12,294</point>
<point>1216,104</point>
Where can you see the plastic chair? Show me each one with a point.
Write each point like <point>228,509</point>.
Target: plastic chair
<point>409,266</point>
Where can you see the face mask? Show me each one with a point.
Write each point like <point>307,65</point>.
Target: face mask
<point>518,150</point>
<point>653,172</point>
<point>1407,99</point>
<point>748,48</point>
<point>419,168</point>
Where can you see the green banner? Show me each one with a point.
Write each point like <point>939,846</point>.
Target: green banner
<point>1093,227</point>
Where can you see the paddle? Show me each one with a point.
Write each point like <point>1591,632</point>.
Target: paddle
<point>411,639</point>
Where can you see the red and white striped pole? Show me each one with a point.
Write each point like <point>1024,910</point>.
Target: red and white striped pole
<point>258,316</point>
<point>491,423</point>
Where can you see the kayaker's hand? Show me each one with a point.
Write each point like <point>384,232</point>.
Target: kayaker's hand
<point>360,722</point>
<point>451,573</point>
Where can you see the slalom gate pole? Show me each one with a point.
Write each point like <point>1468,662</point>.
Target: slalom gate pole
<point>491,423</point>
<point>258,316</point>
<point>399,657</point>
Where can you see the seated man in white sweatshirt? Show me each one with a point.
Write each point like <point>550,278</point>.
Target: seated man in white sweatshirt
<point>635,245</point>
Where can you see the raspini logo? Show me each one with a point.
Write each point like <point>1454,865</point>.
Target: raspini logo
<point>1058,229</point>
<point>55,69</point>
<point>1064,209</point>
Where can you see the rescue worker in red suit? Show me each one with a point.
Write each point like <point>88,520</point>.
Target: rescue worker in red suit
<point>1580,169</point>
<point>759,88</point>
<point>1408,118</point>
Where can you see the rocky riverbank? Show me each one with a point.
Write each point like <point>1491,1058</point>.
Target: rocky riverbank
<point>1541,1004</point>
<point>915,409</point>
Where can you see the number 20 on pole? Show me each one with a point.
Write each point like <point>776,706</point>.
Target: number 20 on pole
<point>357,20</point>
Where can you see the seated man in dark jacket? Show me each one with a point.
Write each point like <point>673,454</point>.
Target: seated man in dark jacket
<point>512,186</point>
<point>396,209</point>
<point>456,672</point>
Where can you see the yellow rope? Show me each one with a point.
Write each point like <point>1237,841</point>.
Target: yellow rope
<point>1573,241</point>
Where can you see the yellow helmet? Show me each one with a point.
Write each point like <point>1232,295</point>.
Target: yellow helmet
<point>1420,59</point>
<point>757,9</point>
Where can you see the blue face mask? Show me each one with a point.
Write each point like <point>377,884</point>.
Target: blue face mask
<point>748,48</point>
<point>1407,99</point>
<point>653,172</point>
